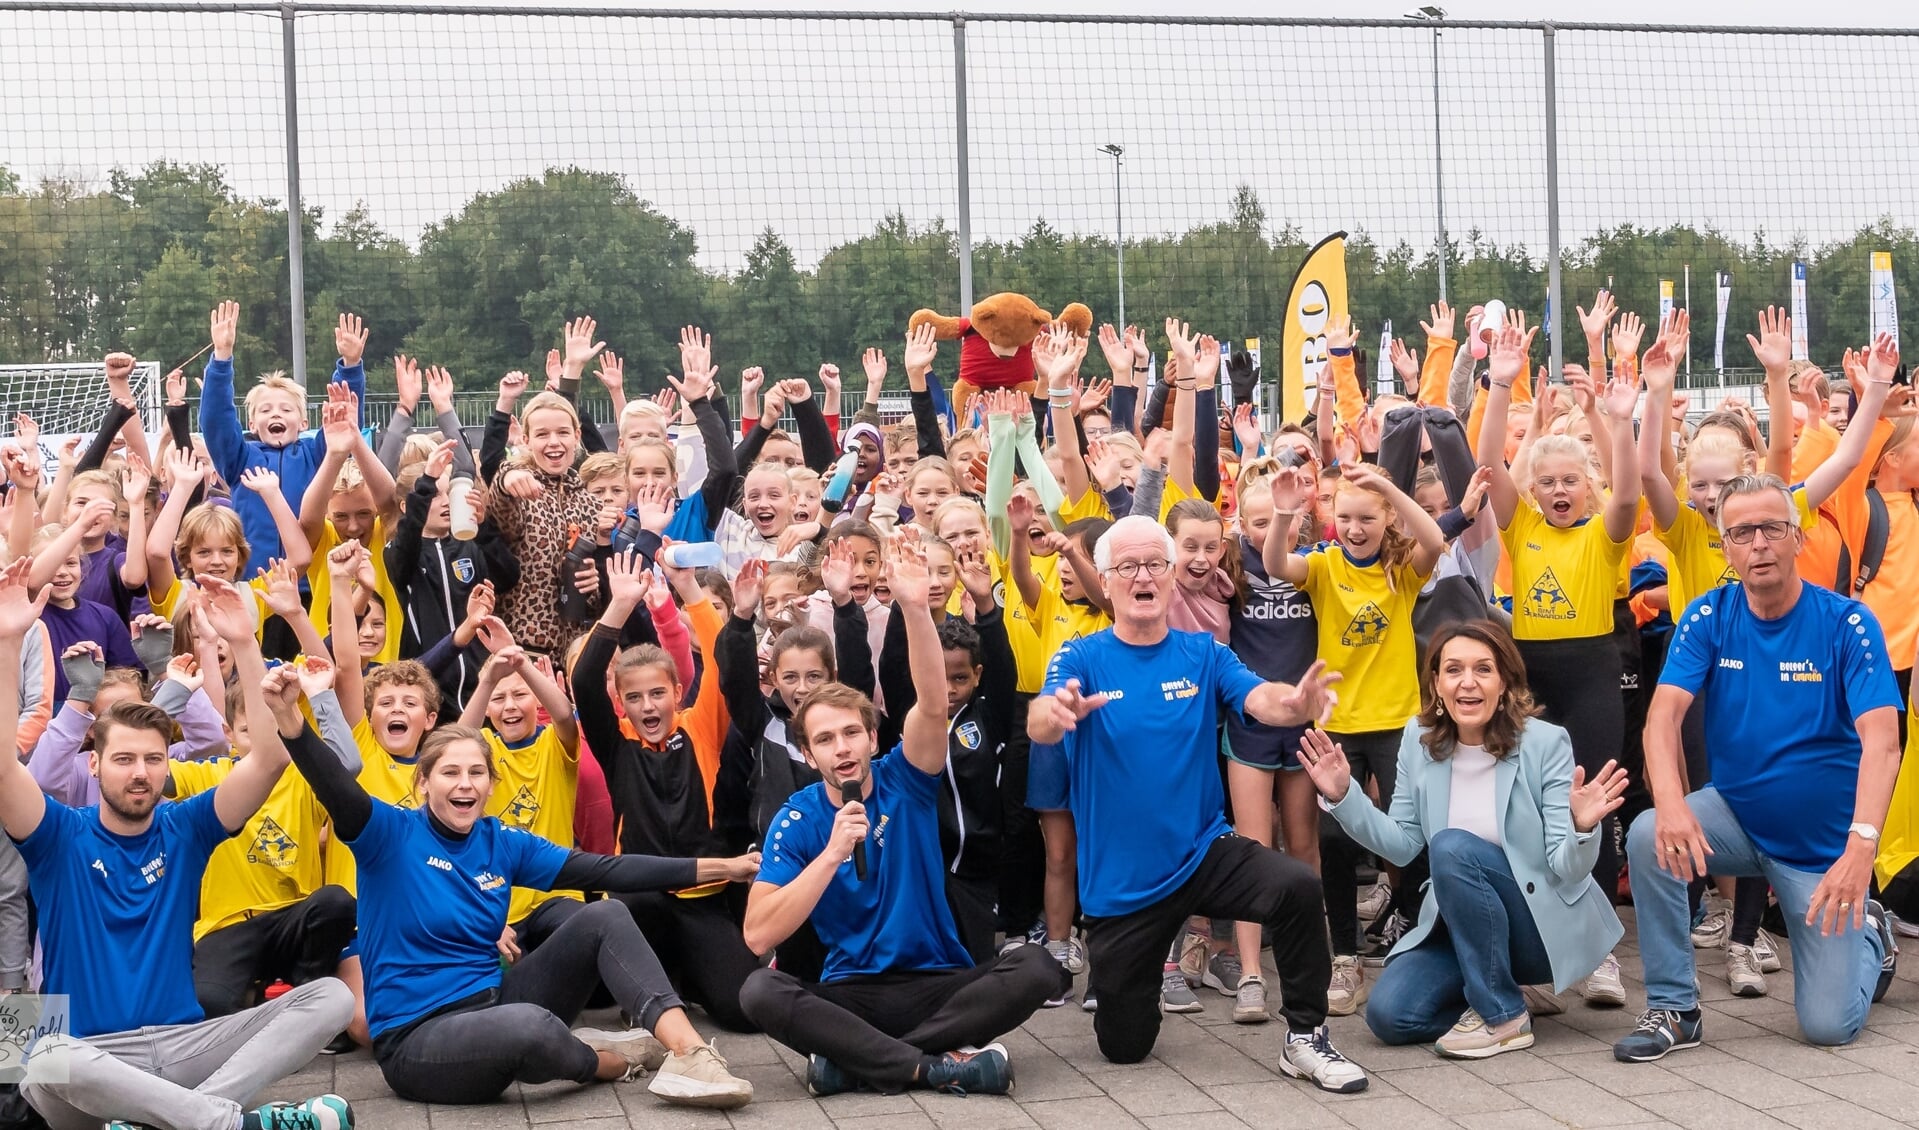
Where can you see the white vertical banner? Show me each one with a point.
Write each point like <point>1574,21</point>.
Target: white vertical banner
<point>1223,385</point>
<point>1665,300</point>
<point>1801,347</point>
<point>1885,303</point>
<point>1724,284</point>
<point>1262,406</point>
<point>1383,368</point>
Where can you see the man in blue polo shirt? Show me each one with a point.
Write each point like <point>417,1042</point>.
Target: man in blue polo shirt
<point>1135,710</point>
<point>118,885</point>
<point>1801,722</point>
<point>900,1003</point>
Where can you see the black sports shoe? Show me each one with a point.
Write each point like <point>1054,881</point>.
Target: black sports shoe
<point>1879,919</point>
<point>972,1071</point>
<point>1659,1031</point>
<point>824,1077</point>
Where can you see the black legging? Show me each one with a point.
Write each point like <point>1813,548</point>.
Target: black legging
<point>472,1050</point>
<point>1373,756</point>
<point>1576,684</point>
<point>701,947</point>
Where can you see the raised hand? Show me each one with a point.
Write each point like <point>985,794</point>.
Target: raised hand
<point>1184,346</point>
<point>512,387</point>
<point>282,593</point>
<point>224,324</point>
<point>555,368</point>
<point>1094,398</point>
<point>407,381</point>
<point>696,351</point>
<point>185,670</point>
<point>479,602</point>
<point>1067,706</point>
<point>874,362</point>
<point>1580,383</point>
<point>225,609</point>
<point>836,571</point>
<point>281,689</point>
<point>921,348</point>
<point>1442,322</point>
<point>440,461</point>
<point>611,374</point>
<point>1597,320</point>
<point>260,481</point>
<point>1594,800</point>
<point>1118,351</point>
<point>1626,335</point>
<point>1508,356</point>
<point>831,384</point>
<point>580,347</point>
<point>1019,512</point>
<point>1883,360</point>
<point>493,634</point>
<point>907,575</point>
<point>1661,361</point>
<point>337,427</point>
<point>1773,347</point>
<point>793,390</point>
<point>1325,762</point>
<point>119,370</point>
<point>1476,490</point>
<point>138,481</point>
<point>339,392</point>
<point>176,388</point>
<point>439,389</point>
<point>1341,333</point>
<point>626,581</point>
<point>521,483</point>
<point>1206,362</point>
<point>751,381</point>
<point>655,503</point>
<point>1622,396</point>
<point>343,561</point>
<point>1405,363</point>
<point>349,337</point>
<point>315,674</point>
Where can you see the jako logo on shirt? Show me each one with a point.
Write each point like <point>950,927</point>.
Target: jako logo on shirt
<point>436,861</point>
<point>1732,664</point>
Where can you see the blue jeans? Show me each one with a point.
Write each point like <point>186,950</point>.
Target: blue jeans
<point>1833,977</point>
<point>1484,947</point>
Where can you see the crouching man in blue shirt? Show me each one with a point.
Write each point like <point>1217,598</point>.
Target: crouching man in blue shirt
<point>900,1003</point>
<point>118,885</point>
<point>1134,711</point>
<point>1801,721</point>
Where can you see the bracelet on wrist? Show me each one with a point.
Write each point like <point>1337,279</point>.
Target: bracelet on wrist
<point>1142,368</point>
<point>1502,384</point>
<point>1340,351</point>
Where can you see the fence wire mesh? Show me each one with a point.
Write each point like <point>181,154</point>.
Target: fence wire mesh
<point>470,179</point>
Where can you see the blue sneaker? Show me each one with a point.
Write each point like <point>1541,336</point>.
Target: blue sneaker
<point>1881,920</point>
<point>1659,1031</point>
<point>824,1077</point>
<point>972,1071</point>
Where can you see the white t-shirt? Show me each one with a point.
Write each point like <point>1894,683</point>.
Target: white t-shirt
<point>1471,807</point>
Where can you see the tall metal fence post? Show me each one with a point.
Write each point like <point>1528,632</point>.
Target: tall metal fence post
<point>1554,307</point>
<point>296,257</point>
<point>965,178</point>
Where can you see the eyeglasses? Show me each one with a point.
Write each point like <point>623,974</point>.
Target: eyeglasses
<point>1571,484</point>
<point>1155,568</point>
<point>1774,531</point>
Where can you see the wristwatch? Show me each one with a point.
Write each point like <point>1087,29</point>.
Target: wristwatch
<point>1865,832</point>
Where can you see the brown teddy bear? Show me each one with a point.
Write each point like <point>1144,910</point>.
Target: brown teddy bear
<point>996,342</point>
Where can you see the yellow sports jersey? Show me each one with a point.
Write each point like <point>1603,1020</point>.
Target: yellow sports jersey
<point>539,782</point>
<point>274,862</point>
<point>384,779</point>
<point>1092,504</point>
<point>1059,620</point>
<point>1699,562</point>
<point>1563,579</point>
<point>321,582</point>
<point>1170,497</point>
<point>168,602</point>
<point>1366,634</point>
<point>1899,839</point>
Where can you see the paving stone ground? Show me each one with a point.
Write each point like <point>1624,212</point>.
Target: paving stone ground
<point>1208,1073</point>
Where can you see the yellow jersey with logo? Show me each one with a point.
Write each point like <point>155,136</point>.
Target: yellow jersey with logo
<point>539,782</point>
<point>167,604</point>
<point>1365,620</point>
<point>1699,562</point>
<point>1033,633</point>
<point>1564,580</point>
<point>383,778</point>
<point>274,861</point>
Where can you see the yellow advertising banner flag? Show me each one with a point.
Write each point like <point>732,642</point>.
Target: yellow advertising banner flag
<point>1318,295</point>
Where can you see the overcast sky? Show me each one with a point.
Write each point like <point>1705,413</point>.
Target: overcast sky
<point>818,128</point>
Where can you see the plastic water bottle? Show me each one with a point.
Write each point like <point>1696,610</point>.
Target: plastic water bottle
<point>692,555</point>
<point>1491,317</point>
<point>834,496</point>
<point>466,525</point>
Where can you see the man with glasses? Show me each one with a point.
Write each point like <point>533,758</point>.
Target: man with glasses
<point>1133,710</point>
<point>1802,735</point>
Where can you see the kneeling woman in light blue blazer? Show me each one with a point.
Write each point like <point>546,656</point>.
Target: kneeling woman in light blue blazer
<point>1508,824</point>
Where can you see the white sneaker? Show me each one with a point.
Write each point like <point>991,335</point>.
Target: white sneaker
<point>1742,971</point>
<point>1070,953</point>
<point>1603,989</point>
<point>1904,928</point>
<point>1347,990</point>
<point>700,1078</point>
<point>1311,1055</point>
<point>1472,1038</point>
<point>1767,950</point>
<point>1373,900</point>
<point>1711,932</point>
<point>636,1046</point>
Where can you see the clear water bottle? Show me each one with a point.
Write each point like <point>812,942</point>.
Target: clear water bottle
<point>466,524</point>
<point>692,555</point>
<point>1490,319</point>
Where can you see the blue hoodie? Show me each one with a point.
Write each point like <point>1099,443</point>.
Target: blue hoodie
<point>233,454</point>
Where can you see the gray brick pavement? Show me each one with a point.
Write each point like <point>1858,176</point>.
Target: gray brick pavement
<point>1208,1074</point>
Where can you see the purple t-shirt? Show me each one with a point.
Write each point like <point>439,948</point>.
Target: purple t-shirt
<point>100,580</point>
<point>86,620</point>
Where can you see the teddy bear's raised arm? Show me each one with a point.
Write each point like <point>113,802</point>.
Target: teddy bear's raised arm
<point>944,328</point>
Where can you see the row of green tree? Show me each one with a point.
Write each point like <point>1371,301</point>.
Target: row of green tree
<point>137,264</point>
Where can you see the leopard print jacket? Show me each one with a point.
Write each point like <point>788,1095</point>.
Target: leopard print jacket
<point>536,531</point>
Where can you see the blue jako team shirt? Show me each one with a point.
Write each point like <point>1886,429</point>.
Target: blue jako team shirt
<point>116,912</point>
<point>1145,791</point>
<point>1780,699</point>
<point>897,920</point>
<point>431,908</point>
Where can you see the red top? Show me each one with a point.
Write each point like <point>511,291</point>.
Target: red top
<point>987,369</point>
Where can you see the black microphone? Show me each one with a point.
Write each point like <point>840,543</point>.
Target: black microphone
<point>850,794</point>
